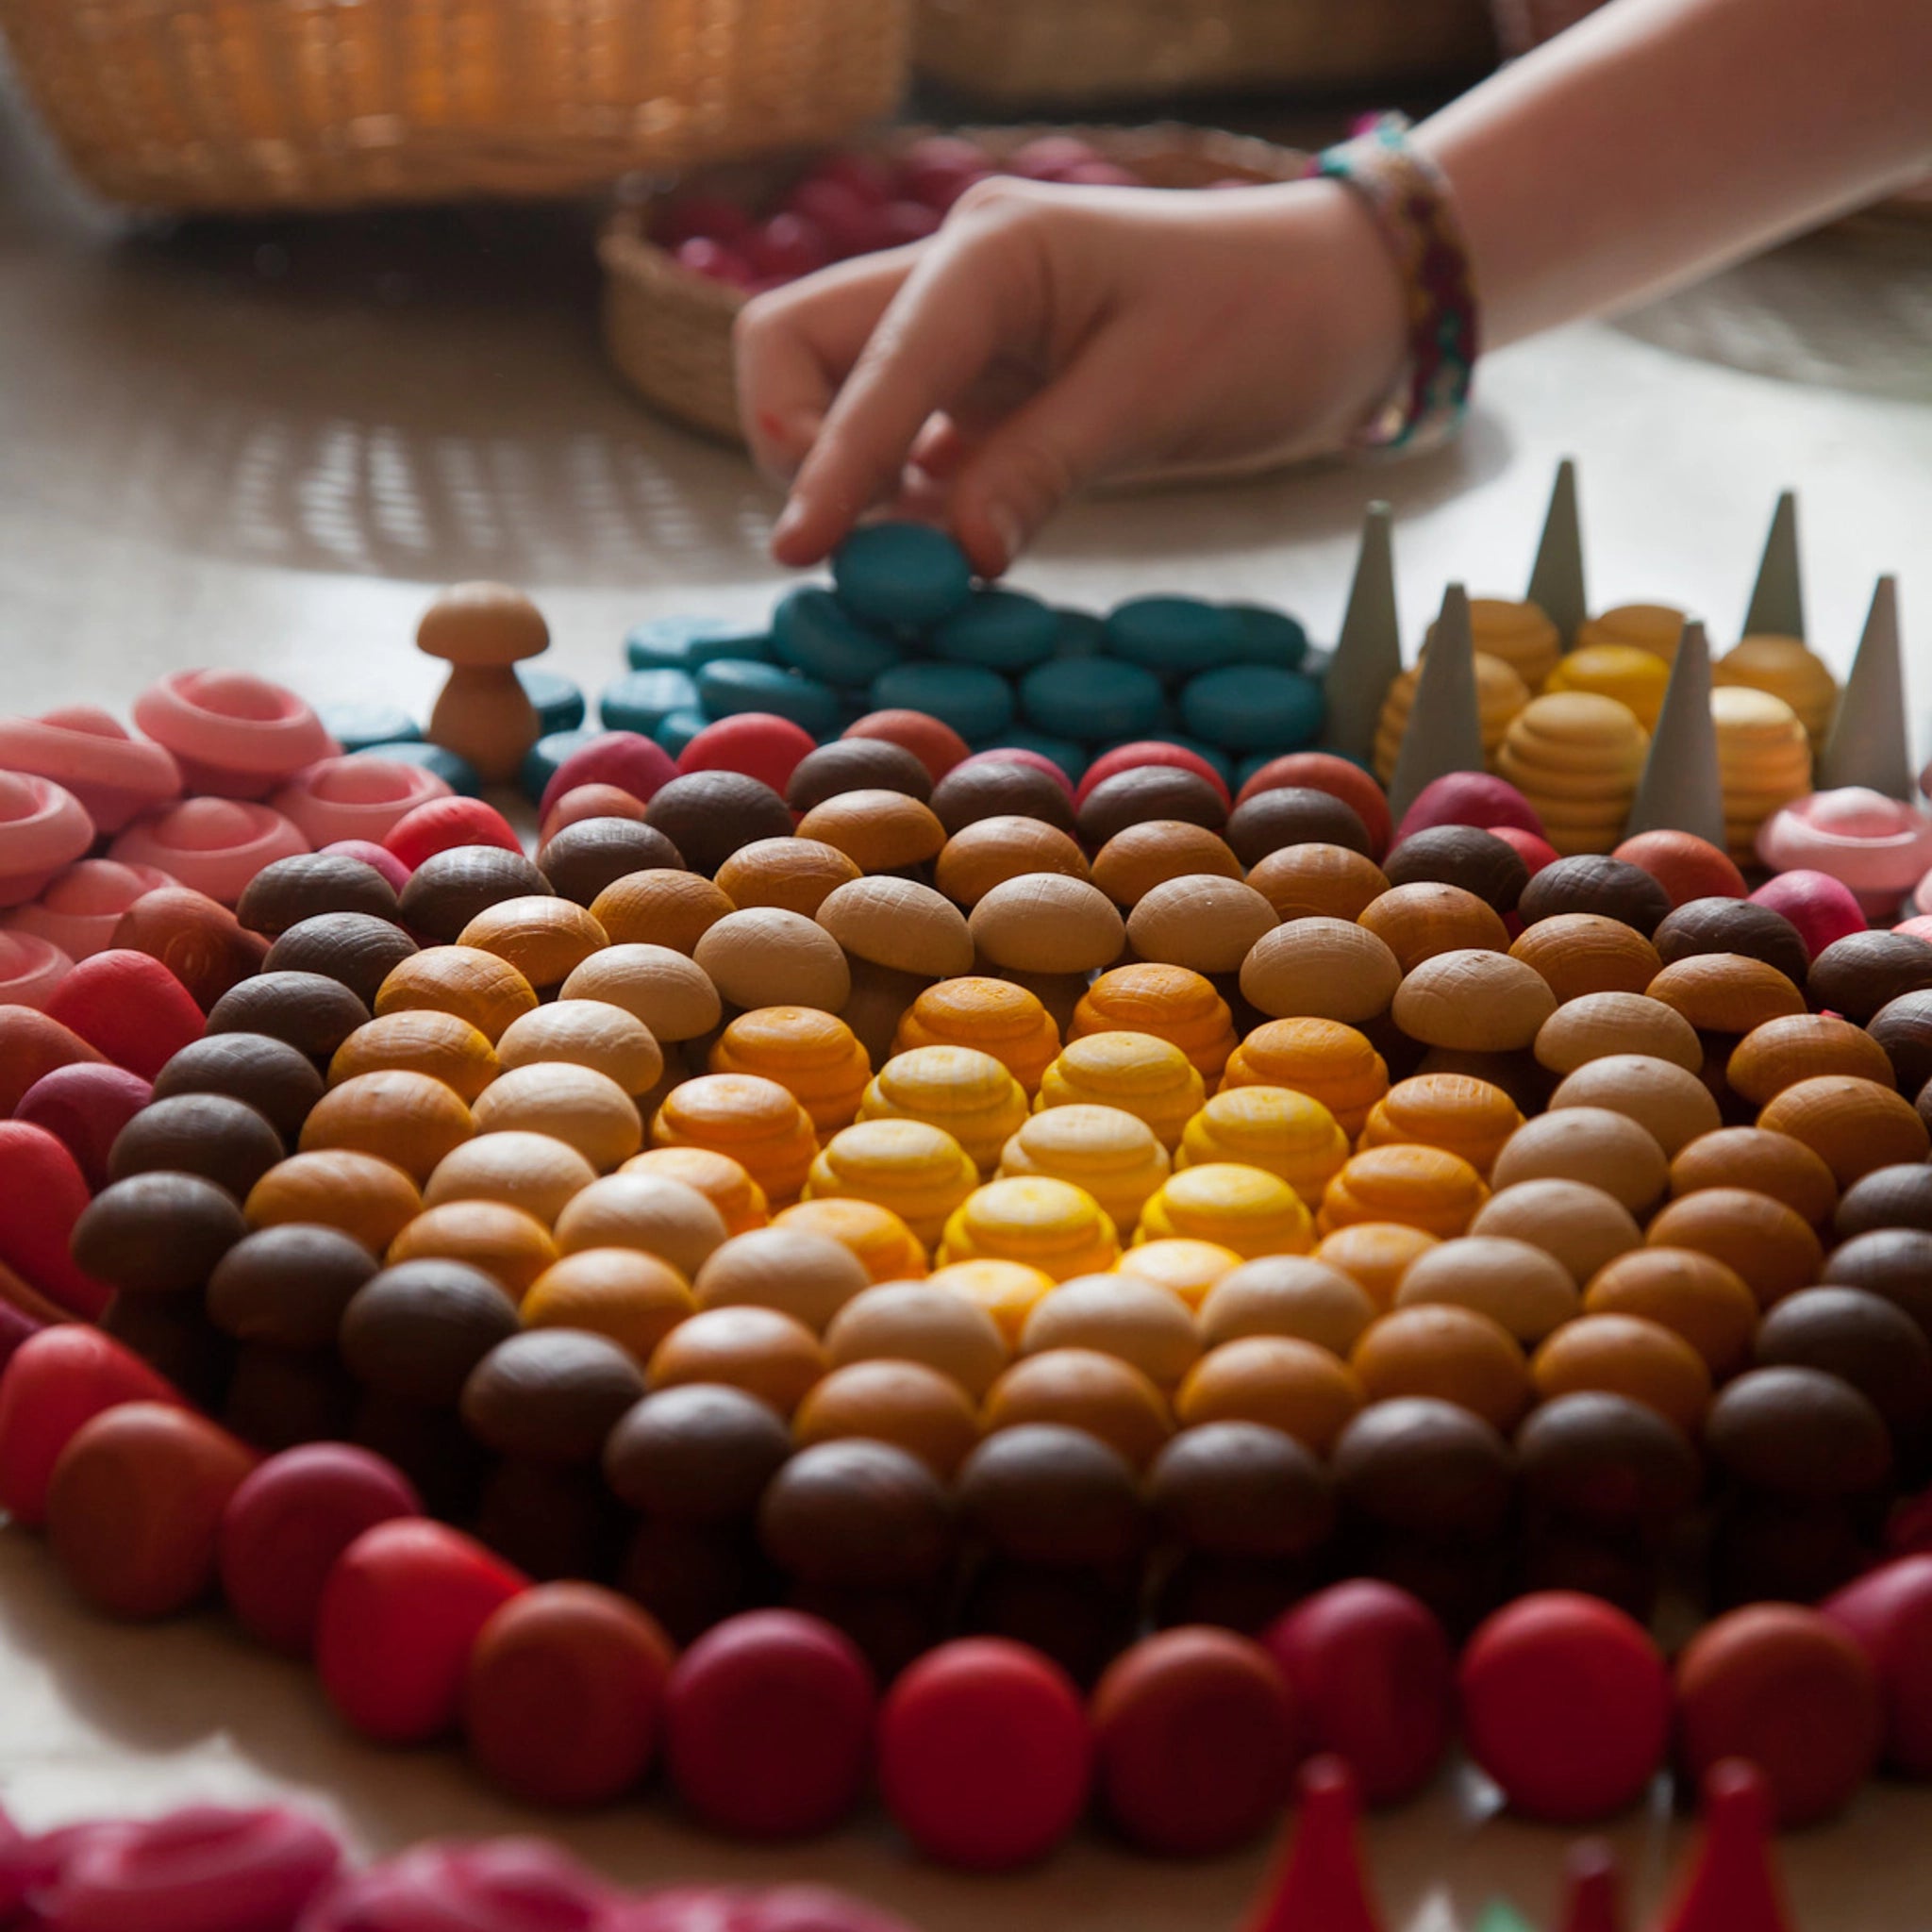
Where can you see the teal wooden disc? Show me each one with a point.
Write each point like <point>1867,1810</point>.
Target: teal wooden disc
<point>543,758</point>
<point>559,703</point>
<point>1000,630</point>
<point>814,633</point>
<point>1244,707</point>
<point>728,686</point>
<point>641,700</point>
<point>1173,637</point>
<point>1092,699</point>
<point>907,575</point>
<point>676,730</point>
<point>977,704</point>
<point>1081,635</point>
<point>361,728</point>
<point>1268,637</point>
<point>682,643</point>
<point>459,775</point>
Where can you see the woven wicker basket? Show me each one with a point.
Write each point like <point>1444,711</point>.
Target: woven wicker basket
<point>1023,53</point>
<point>668,330</point>
<point>252,105</point>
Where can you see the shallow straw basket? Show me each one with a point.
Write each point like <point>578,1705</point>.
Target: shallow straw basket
<point>1020,53</point>
<point>668,330</point>
<point>239,105</point>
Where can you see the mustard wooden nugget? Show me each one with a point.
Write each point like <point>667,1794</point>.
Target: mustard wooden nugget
<point>1576,757</point>
<point>1582,952</point>
<point>478,987</point>
<point>1139,858</point>
<point>1853,1126</point>
<point>1761,1159</point>
<point>660,908</point>
<point>443,1046</point>
<point>1417,922</point>
<point>918,1171</point>
<point>408,1119</point>
<point>1316,882</point>
<point>793,874</point>
<point>989,852</point>
<point>1243,1209</point>
<point>1048,1225</point>
<point>546,940</point>
<point>879,831</point>
<point>1781,1053</point>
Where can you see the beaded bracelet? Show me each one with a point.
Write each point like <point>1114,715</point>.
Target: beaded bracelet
<point>1412,204</point>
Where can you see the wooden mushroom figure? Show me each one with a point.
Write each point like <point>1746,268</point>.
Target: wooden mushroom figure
<point>483,631</point>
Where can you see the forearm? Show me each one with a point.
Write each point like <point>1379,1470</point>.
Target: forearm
<point>1660,139</point>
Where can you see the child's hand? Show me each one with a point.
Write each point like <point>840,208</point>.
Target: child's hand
<point>1049,337</point>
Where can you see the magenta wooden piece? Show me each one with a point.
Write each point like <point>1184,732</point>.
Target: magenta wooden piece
<point>441,825</point>
<point>56,1382</point>
<point>627,760</point>
<point>115,776</point>
<point>84,1108</point>
<point>1877,846</point>
<point>1822,909</point>
<point>757,744</point>
<point>380,856</point>
<point>776,1908</point>
<point>16,1326</point>
<point>205,1869</point>
<point>501,1885</point>
<point>216,846</point>
<point>78,910</point>
<point>233,734</point>
<point>129,1007</point>
<point>1888,1613</point>
<point>1321,1882</point>
<point>1468,798</point>
<point>289,1522</point>
<point>359,797</point>
<point>45,1193</point>
<point>30,969</point>
<point>1129,758</point>
<point>1037,760</point>
<point>42,828</point>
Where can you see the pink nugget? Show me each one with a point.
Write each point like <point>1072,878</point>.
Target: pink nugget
<point>80,910</point>
<point>1873,845</point>
<point>115,776</point>
<point>216,846</point>
<point>358,797</point>
<point>43,827</point>
<point>234,735</point>
<point>30,969</point>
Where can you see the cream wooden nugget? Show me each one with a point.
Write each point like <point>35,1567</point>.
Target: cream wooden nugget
<point>1581,1226</point>
<point>1525,1290</point>
<point>1600,1023</point>
<point>577,1104</point>
<point>807,1276</point>
<point>1608,1150</point>
<point>1321,969</point>
<point>656,1217</point>
<point>1286,1294</point>
<point>1472,1001</point>
<point>768,957</point>
<point>671,994</point>
<point>1673,1107</point>
<point>536,1173</point>
<point>1125,1316</point>
<point>1201,921</point>
<point>899,925</point>
<point>911,1321</point>
<point>587,1033</point>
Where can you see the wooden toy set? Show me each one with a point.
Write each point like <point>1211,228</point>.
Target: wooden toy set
<point>1055,1277</point>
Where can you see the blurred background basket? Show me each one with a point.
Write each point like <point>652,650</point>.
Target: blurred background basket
<point>239,105</point>
<point>1021,53</point>
<point>668,329</point>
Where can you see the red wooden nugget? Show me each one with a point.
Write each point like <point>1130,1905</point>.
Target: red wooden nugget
<point>84,1106</point>
<point>197,938</point>
<point>31,1046</point>
<point>399,1615</point>
<point>936,745</point>
<point>285,1524</point>
<point>135,1504</point>
<point>984,1757</point>
<point>564,1694</point>
<point>1566,1705</point>
<point>441,825</point>
<point>627,760</point>
<point>759,744</point>
<point>1686,866</point>
<point>1889,1613</point>
<point>129,1007</point>
<point>43,1194</point>
<point>1196,1735</point>
<point>768,1724</point>
<point>1153,750</point>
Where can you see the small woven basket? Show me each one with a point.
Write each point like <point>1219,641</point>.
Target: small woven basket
<point>668,329</point>
<point>1023,53</point>
<point>242,106</point>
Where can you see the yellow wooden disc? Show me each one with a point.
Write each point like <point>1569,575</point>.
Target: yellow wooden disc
<point>1273,1127</point>
<point>1137,1071</point>
<point>1049,1224</point>
<point>918,1171</point>
<point>1110,1153</point>
<point>1245,1208</point>
<point>969,1094</point>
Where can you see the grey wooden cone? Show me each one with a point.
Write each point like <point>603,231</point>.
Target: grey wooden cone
<point>1367,652</point>
<point>1870,742</point>
<point>1445,728</point>
<point>1681,789</point>
<point>1778,598</point>
<point>1555,579</point>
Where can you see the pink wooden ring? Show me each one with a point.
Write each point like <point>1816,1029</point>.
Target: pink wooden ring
<point>80,909</point>
<point>115,776</point>
<point>357,797</point>
<point>233,734</point>
<point>30,969</point>
<point>216,846</point>
<point>43,827</point>
<point>1871,844</point>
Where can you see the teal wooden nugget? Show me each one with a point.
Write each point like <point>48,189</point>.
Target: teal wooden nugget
<point>1092,699</point>
<point>814,633</point>
<point>902,573</point>
<point>976,703</point>
<point>1002,630</point>
<point>558,703</point>
<point>728,686</point>
<point>641,700</point>
<point>1173,635</point>
<point>682,643</point>
<point>1248,706</point>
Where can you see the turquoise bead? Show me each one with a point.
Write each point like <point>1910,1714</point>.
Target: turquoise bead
<point>1081,635</point>
<point>812,632</point>
<point>1000,630</point>
<point>459,775</point>
<point>1072,758</point>
<point>361,728</point>
<point>729,686</point>
<point>1092,699</point>
<point>1213,753</point>
<point>1268,637</point>
<point>543,758</point>
<point>682,643</point>
<point>1247,705</point>
<point>976,704</point>
<point>559,703</point>
<point>1173,637</point>
<point>902,573</point>
<point>677,730</point>
<point>641,700</point>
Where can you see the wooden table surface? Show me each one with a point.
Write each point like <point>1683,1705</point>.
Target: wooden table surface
<point>266,446</point>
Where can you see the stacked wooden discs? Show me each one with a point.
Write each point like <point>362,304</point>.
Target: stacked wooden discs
<point>1577,755</point>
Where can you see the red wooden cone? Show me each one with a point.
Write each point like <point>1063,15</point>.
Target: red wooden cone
<point>1320,1886</point>
<point>1733,1885</point>
<point>1591,1896</point>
